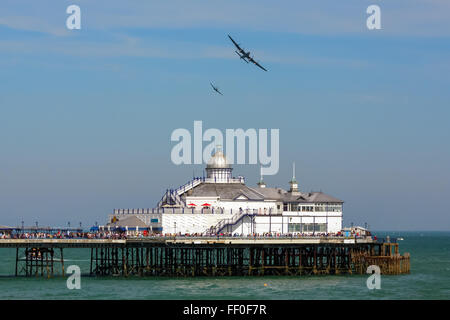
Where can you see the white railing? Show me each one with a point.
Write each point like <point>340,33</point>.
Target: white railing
<point>188,186</point>
<point>196,181</point>
<point>224,180</point>
<point>270,211</point>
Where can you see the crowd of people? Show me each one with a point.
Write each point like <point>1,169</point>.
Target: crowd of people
<point>146,234</point>
<point>261,235</point>
<point>64,235</point>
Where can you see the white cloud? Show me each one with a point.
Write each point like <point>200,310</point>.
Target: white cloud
<point>31,23</point>
<point>401,17</point>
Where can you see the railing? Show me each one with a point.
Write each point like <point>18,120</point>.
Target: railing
<point>224,180</point>
<point>268,211</point>
<point>174,196</point>
<point>387,240</point>
<point>234,219</point>
<point>196,181</point>
<point>250,237</point>
<point>188,186</point>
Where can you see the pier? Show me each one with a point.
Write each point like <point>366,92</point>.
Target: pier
<point>211,256</point>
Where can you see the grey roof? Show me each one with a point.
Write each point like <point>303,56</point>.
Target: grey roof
<point>226,191</point>
<point>310,197</point>
<point>271,193</point>
<point>232,191</point>
<point>131,222</point>
<point>279,194</point>
<point>322,197</point>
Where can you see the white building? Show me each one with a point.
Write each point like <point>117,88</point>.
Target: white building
<point>220,203</point>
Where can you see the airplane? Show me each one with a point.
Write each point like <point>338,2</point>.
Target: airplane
<point>216,89</point>
<point>245,55</point>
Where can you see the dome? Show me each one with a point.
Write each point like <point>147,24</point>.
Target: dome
<point>218,161</point>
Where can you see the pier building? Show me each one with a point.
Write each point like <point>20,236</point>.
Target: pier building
<point>220,203</point>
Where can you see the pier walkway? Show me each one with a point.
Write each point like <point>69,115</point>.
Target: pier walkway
<point>89,243</point>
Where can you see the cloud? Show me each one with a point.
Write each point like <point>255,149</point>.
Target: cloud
<point>128,46</point>
<point>35,24</point>
<point>401,17</point>
<point>124,46</point>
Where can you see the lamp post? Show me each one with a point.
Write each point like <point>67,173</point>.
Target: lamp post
<point>23,227</point>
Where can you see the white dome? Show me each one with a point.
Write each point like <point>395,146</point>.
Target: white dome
<point>217,161</point>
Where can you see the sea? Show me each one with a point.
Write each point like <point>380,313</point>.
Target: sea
<point>429,279</point>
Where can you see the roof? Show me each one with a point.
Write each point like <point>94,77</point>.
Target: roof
<point>234,191</point>
<point>218,160</point>
<point>322,197</point>
<point>226,191</point>
<point>6,228</point>
<point>309,197</point>
<point>271,193</point>
<point>131,222</point>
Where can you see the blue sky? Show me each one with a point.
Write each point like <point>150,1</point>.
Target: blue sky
<point>86,115</point>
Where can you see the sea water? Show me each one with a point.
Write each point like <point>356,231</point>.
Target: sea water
<point>429,279</point>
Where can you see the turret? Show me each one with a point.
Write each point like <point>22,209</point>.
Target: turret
<point>261,182</point>
<point>293,183</point>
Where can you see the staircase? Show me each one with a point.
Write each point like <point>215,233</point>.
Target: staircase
<point>173,197</point>
<point>230,222</point>
<point>188,186</point>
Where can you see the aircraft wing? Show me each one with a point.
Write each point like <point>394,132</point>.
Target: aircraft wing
<point>215,88</point>
<point>237,46</point>
<point>256,63</point>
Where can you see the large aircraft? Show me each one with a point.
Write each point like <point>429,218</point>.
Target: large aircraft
<point>245,55</point>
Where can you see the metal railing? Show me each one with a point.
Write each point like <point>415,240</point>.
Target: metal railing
<point>235,218</point>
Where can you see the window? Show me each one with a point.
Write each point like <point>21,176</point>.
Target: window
<point>314,227</point>
<point>335,207</point>
<point>320,207</point>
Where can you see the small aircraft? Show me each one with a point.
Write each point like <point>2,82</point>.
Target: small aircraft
<point>245,55</point>
<point>216,89</point>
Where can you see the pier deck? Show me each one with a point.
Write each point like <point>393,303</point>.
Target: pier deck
<point>89,243</point>
<point>212,256</point>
